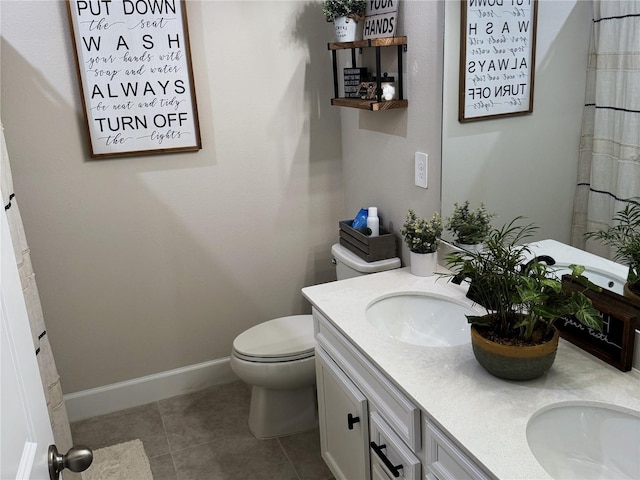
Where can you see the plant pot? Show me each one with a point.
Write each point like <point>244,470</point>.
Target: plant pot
<point>423,264</point>
<point>346,29</point>
<point>514,362</point>
<point>628,293</point>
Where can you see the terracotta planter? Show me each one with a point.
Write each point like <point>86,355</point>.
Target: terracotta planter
<point>511,362</point>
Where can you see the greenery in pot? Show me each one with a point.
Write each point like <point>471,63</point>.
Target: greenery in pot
<point>523,300</point>
<point>333,9</point>
<point>624,238</point>
<point>421,235</point>
<point>470,227</point>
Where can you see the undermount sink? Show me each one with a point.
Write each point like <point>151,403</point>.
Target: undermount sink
<point>429,320</point>
<point>601,278</point>
<point>601,271</point>
<point>586,441</point>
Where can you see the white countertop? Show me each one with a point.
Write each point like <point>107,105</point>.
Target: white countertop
<point>486,415</point>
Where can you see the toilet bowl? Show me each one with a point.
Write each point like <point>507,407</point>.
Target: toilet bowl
<point>277,359</point>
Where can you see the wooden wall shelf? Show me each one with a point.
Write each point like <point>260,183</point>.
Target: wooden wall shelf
<point>377,43</point>
<point>373,105</point>
<point>373,42</point>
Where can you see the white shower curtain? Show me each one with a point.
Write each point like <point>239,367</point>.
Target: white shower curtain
<point>609,163</point>
<point>41,346</point>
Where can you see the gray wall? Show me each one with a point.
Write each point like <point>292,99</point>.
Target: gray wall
<point>150,263</point>
<point>523,165</point>
<point>378,148</point>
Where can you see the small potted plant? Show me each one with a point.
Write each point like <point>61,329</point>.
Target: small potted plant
<point>516,338</point>
<point>423,238</point>
<point>470,227</point>
<point>624,238</point>
<point>345,15</point>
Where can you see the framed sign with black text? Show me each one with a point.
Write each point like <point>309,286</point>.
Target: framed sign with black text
<point>135,75</point>
<point>497,58</point>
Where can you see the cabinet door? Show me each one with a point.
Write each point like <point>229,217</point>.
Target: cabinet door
<point>343,418</point>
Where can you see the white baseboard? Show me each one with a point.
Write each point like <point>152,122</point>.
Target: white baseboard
<point>151,388</point>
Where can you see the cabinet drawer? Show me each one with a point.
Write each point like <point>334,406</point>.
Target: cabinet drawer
<point>399,412</point>
<point>389,453</point>
<point>378,473</point>
<point>445,460</point>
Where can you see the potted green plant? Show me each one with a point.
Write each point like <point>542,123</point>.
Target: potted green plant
<point>624,238</point>
<point>345,15</point>
<point>422,236</point>
<point>469,227</point>
<point>516,338</point>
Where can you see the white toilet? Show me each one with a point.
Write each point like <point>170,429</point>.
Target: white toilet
<point>277,359</point>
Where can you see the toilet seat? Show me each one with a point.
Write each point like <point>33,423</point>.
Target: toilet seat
<point>283,359</point>
<point>283,339</point>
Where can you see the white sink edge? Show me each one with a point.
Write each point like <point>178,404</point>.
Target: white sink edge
<point>461,301</point>
<point>585,403</point>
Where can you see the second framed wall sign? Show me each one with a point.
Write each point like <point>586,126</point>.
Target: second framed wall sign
<point>136,80</point>
<point>497,58</point>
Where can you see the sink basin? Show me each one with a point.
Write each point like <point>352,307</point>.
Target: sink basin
<point>586,441</point>
<point>601,271</point>
<point>606,280</point>
<point>421,319</point>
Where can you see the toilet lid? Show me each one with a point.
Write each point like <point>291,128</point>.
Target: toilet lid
<point>278,338</point>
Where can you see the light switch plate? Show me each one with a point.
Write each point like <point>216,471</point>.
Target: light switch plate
<point>421,160</point>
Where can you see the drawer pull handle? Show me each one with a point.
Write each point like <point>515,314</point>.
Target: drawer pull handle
<point>351,421</point>
<point>392,468</point>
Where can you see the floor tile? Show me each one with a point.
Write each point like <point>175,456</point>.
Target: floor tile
<point>245,457</point>
<point>143,422</point>
<point>215,413</point>
<point>303,450</point>
<point>162,468</point>
<point>205,436</point>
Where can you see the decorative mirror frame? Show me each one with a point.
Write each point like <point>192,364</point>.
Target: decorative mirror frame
<point>136,79</point>
<point>497,58</point>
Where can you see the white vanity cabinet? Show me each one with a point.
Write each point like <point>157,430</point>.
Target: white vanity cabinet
<point>369,429</point>
<point>422,403</point>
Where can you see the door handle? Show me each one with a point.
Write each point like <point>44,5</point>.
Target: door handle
<point>387,463</point>
<point>77,459</point>
<point>351,420</point>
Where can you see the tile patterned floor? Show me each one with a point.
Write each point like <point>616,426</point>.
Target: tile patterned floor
<point>204,436</point>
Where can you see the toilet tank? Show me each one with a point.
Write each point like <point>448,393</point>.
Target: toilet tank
<point>349,265</point>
